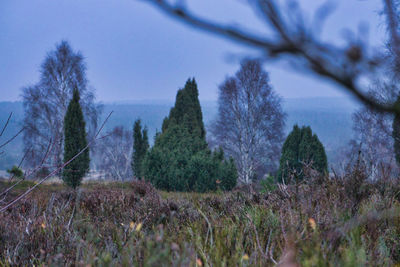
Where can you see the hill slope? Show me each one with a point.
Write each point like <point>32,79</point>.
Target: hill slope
<point>330,118</point>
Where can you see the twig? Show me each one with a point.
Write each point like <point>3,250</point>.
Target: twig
<point>12,138</point>
<point>296,44</point>
<point>70,219</point>
<point>12,177</point>
<point>271,254</point>
<point>209,228</point>
<point>32,172</point>
<point>5,125</point>
<point>257,239</point>
<point>57,170</point>
<point>269,251</point>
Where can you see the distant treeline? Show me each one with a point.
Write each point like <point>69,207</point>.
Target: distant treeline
<point>330,118</point>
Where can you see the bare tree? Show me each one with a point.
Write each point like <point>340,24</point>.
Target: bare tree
<point>45,104</point>
<point>250,121</point>
<point>115,153</point>
<point>298,43</point>
<point>373,133</point>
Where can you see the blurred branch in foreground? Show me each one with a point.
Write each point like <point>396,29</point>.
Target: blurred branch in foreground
<point>348,65</point>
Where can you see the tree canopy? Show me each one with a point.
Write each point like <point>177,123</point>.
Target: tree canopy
<point>301,147</point>
<point>250,121</point>
<point>45,105</point>
<point>140,147</point>
<point>180,159</point>
<point>74,142</point>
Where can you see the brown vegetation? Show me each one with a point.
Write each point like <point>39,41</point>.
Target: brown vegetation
<point>345,221</point>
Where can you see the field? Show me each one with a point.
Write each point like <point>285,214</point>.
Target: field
<point>344,221</point>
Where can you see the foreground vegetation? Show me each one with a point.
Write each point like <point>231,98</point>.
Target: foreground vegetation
<point>345,221</point>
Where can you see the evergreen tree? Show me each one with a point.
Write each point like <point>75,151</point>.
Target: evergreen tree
<point>306,148</point>
<point>396,133</point>
<point>320,160</point>
<point>187,110</point>
<point>289,160</point>
<point>180,159</point>
<point>75,141</point>
<point>301,147</point>
<point>140,147</point>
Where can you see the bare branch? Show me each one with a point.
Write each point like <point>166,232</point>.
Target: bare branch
<point>393,26</point>
<point>250,122</point>
<point>343,66</point>
<point>45,103</point>
<point>12,177</point>
<point>114,153</point>
<point>27,175</point>
<point>5,125</point>
<point>56,170</point>
<point>12,138</point>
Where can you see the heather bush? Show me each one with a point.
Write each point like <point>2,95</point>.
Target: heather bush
<point>133,224</point>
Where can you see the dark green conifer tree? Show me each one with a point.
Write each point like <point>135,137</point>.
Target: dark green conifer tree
<point>320,160</point>
<point>140,147</point>
<point>306,146</point>
<point>301,147</point>
<point>289,160</point>
<point>180,159</point>
<point>187,110</point>
<point>75,141</point>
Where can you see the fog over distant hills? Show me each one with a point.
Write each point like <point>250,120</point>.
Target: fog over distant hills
<point>330,118</point>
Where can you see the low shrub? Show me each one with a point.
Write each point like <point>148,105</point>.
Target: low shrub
<point>310,224</point>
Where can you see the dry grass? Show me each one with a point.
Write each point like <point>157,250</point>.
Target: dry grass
<point>343,222</point>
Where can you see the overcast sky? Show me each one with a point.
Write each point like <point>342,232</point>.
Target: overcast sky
<point>134,52</point>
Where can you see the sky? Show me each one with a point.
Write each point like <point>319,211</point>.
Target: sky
<point>135,52</point>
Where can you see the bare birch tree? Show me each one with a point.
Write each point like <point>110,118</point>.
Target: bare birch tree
<point>45,104</point>
<point>373,133</point>
<point>250,121</point>
<point>115,154</point>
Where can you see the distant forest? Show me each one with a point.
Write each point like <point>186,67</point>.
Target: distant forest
<point>330,119</point>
